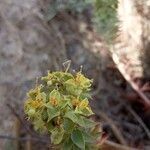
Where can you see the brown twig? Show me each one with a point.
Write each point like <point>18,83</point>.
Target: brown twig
<point>29,143</point>
<point>108,145</point>
<point>115,130</point>
<point>147,131</point>
<point>17,127</point>
<point>146,87</point>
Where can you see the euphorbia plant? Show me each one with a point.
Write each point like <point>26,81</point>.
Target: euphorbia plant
<point>60,106</point>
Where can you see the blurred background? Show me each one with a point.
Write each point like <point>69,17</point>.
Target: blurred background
<point>109,38</point>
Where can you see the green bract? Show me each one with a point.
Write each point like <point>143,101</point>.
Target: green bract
<point>60,106</point>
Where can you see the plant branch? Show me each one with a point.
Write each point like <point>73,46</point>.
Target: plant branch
<point>108,145</point>
<point>115,130</point>
<point>147,131</point>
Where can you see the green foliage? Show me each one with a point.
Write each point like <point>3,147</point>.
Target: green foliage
<point>104,14</point>
<point>78,139</point>
<point>60,106</point>
<point>105,18</point>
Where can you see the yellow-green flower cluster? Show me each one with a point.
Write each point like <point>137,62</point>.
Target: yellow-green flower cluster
<point>60,106</point>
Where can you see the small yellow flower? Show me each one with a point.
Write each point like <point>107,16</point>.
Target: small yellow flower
<point>75,103</point>
<point>53,101</point>
<point>84,104</point>
<point>79,77</point>
<point>82,80</point>
<point>36,104</point>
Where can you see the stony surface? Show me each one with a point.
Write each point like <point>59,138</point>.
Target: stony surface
<point>29,46</point>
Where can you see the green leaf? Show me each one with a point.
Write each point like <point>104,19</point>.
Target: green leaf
<point>87,111</point>
<point>85,94</point>
<point>55,94</point>
<point>72,87</point>
<point>84,108</point>
<point>44,115</point>
<point>57,135</point>
<point>80,121</point>
<point>76,147</point>
<point>58,74</point>
<point>50,126</point>
<point>43,96</point>
<point>89,123</point>
<point>39,125</point>
<point>84,122</point>
<point>68,125</point>
<point>68,144</point>
<point>88,138</point>
<point>78,139</point>
<point>70,84</point>
<point>52,113</point>
<point>48,105</point>
<point>64,103</point>
<point>67,76</point>
<point>70,115</point>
